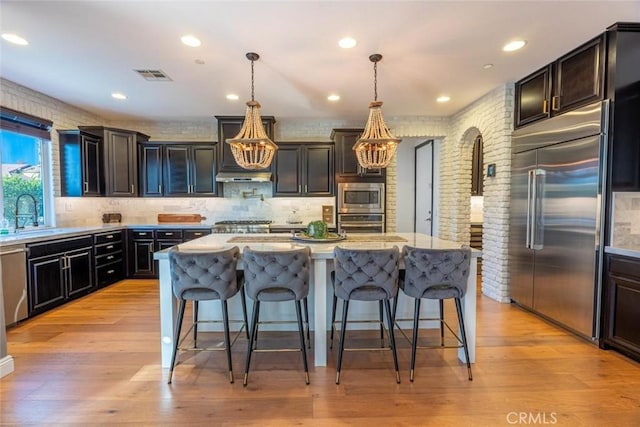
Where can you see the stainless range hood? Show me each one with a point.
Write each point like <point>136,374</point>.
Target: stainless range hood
<point>243,177</point>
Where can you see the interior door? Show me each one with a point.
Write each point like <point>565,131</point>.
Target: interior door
<point>423,218</point>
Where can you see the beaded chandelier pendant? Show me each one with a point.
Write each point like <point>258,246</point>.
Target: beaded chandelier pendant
<point>376,146</point>
<point>251,147</point>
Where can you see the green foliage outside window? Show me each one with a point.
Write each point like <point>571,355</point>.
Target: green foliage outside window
<point>15,185</point>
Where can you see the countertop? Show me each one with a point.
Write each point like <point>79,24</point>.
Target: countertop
<point>44,234</point>
<point>616,250</point>
<point>319,250</point>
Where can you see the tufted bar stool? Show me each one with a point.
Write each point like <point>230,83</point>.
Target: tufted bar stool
<point>365,275</point>
<point>276,276</point>
<point>201,276</point>
<point>436,274</point>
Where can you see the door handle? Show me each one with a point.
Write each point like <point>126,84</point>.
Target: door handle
<point>132,189</point>
<point>555,103</point>
<point>86,187</point>
<point>530,179</point>
<point>538,184</point>
<point>545,106</point>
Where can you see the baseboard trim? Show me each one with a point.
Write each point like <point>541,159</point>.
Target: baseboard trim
<point>6,366</point>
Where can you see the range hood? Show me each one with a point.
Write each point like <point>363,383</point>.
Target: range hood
<point>243,177</point>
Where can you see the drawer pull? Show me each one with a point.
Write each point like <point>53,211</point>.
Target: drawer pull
<point>109,236</point>
<point>110,247</point>
<point>142,234</point>
<point>197,234</point>
<point>168,234</point>
<point>111,271</point>
<point>110,257</point>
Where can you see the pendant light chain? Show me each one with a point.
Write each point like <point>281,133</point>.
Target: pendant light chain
<point>252,84</point>
<point>375,81</point>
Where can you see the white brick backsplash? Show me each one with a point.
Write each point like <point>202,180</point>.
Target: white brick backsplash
<point>490,116</point>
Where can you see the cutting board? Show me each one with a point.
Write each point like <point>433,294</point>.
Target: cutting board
<point>180,218</point>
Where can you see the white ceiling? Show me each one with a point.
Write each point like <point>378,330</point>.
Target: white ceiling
<point>82,51</point>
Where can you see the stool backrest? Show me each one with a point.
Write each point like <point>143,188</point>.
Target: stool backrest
<point>284,270</point>
<point>441,272</point>
<point>361,269</point>
<point>202,275</point>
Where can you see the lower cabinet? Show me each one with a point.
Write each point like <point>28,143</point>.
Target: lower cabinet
<point>144,242</point>
<point>59,271</point>
<point>109,258</point>
<point>622,305</point>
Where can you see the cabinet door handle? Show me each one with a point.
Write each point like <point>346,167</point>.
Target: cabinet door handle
<point>306,190</point>
<point>132,189</point>
<point>110,247</point>
<point>160,189</point>
<point>555,103</point>
<point>299,188</point>
<point>111,271</point>
<point>110,257</point>
<point>86,187</point>
<point>545,106</point>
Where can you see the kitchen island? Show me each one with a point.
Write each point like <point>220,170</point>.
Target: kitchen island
<point>321,288</point>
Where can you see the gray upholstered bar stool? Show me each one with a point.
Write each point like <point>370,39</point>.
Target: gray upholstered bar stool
<point>436,274</point>
<point>200,276</point>
<point>366,275</point>
<point>276,276</point>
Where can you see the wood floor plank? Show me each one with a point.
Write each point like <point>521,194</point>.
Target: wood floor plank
<point>96,361</point>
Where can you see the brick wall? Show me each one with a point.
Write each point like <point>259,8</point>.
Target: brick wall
<point>489,116</point>
<point>492,117</point>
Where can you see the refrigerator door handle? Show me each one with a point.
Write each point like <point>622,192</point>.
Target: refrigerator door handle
<point>530,180</point>
<point>537,241</point>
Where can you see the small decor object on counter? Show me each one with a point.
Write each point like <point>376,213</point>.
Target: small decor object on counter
<point>317,229</point>
<point>108,218</point>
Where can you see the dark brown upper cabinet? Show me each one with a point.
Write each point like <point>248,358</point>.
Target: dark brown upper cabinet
<point>181,169</point>
<point>303,169</point>
<point>119,159</point>
<point>573,80</point>
<point>80,164</point>
<point>477,166</point>
<point>347,166</point>
<point>228,127</point>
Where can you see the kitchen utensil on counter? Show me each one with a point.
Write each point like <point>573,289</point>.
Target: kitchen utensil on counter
<point>112,217</point>
<point>180,218</point>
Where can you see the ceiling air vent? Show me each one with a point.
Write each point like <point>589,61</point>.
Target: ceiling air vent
<point>154,75</point>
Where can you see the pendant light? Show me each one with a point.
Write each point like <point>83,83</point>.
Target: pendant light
<point>251,147</point>
<point>376,146</point>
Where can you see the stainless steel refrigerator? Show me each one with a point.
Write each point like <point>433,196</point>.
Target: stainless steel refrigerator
<point>556,215</point>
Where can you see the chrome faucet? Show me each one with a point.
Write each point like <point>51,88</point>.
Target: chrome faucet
<point>18,214</point>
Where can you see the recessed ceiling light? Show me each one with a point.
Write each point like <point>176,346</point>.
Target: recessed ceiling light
<point>514,45</point>
<point>443,98</point>
<point>118,95</point>
<point>190,40</point>
<point>333,97</point>
<point>15,39</point>
<point>347,43</point>
<point>233,97</point>
<point>487,66</point>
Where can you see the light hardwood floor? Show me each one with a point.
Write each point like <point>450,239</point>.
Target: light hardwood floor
<point>97,361</point>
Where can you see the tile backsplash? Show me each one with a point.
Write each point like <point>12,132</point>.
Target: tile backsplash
<point>625,230</point>
<point>257,204</point>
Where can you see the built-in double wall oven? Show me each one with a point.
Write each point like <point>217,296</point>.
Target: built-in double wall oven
<point>361,207</point>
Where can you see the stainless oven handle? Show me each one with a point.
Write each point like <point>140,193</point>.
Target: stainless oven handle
<point>360,224</point>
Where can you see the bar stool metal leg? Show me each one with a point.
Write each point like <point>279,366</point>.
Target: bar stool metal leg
<point>306,320</point>
<point>441,304</point>
<point>380,304</point>
<point>392,339</point>
<point>414,343</point>
<point>254,331</point>
<point>195,323</point>
<point>243,299</point>
<point>333,320</point>
<point>302,342</point>
<point>464,336</point>
<point>227,338</point>
<point>176,337</point>
<point>345,309</point>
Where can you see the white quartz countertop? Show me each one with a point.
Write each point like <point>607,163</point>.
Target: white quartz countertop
<point>319,250</point>
<point>43,234</point>
<point>616,250</point>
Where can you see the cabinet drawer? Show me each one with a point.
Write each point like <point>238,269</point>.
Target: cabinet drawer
<point>114,236</point>
<point>169,234</point>
<point>108,248</point>
<point>59,246</point>
<point>108,258</point>
<point>628,267</point>
<point>194,234</point>
<point>109,273</point>
<point>143,234</point>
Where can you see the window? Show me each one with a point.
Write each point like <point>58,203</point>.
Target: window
<point>24,157</point>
